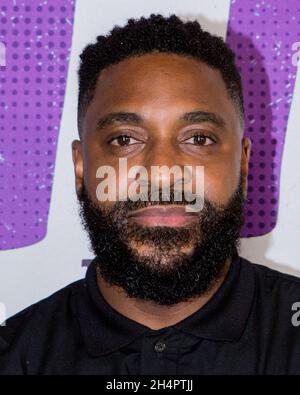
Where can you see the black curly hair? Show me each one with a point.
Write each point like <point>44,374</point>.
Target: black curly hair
<point>162,34</point>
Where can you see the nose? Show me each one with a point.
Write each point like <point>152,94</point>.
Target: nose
<point>163,163</point>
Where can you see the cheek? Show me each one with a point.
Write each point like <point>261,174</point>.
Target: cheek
<point>105,178</point>
<point>220,182</point>
<point>222,176</point>
<point>92,161</point>
<point>93,158</point>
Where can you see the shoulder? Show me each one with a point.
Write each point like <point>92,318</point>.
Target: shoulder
<point>275,291</point>
<point>270,279</point>
<point>39,317</point>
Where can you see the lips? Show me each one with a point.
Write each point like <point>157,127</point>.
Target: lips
<point>163,216</point>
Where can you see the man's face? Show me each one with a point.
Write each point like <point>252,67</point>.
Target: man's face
<point>180,113</point>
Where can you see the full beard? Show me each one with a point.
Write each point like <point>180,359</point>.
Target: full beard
<point>165,265</point>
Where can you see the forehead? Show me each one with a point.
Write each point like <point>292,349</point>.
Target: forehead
<point>160,84</point>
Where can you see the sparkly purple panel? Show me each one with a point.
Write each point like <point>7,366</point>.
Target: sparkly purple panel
<point>37,39</point>
<point>262,34</point>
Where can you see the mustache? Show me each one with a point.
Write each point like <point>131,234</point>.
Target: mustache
<point>153,197</point>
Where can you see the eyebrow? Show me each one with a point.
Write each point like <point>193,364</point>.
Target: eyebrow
<point>133,118</point>
<point>203,116</point>
<point>119,117</point>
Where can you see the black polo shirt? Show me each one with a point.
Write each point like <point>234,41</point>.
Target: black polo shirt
<point>246,328</point>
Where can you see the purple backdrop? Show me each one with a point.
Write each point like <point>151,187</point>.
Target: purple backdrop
<point>37,36</point>
<point>262,33</point>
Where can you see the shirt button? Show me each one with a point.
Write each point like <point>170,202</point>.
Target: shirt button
<point>159,347</point>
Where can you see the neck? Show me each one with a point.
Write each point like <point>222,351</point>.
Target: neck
<point>151,314</point>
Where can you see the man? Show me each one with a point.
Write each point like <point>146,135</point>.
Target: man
<point>167,292</point>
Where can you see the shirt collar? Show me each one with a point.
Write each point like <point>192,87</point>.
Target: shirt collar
<point>223,318</point>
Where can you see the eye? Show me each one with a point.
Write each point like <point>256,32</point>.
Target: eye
<point>123,140</point>
<point>200,139</point>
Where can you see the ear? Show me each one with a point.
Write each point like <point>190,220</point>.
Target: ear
<point>246,151</point>
<point>78,164</point>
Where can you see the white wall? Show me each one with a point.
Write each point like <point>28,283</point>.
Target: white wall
<point>31,273</point>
